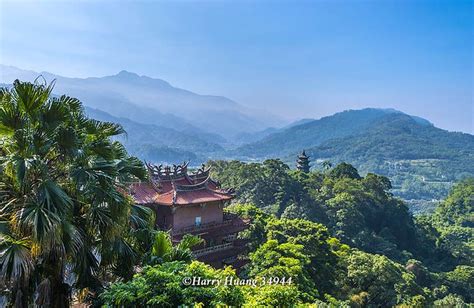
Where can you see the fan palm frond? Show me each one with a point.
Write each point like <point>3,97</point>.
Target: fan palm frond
<point>140,217</point>
<point>189,241</point>
<point>162,245</point>
<point>30,97</point>
<point>54,198</point>
<point>10,119</point>
<point>39,220</point>
<point>130,169</point>
<point>16,261</point>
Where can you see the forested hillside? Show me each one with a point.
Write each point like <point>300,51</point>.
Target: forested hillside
<point>422,161</point>
<point>428,257</point>
<point>331,238</point>
<point>312,133</point>
<point>337,239</point>
<point>399,137</point>
<point>161,144</point>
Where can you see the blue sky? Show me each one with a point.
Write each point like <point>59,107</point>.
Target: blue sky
<point>293,58</point>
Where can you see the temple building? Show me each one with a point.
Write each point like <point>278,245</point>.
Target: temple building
<point>192,203</point>
<point>302,163</point>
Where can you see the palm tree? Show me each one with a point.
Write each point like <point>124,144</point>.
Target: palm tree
<point>64,217</point>
<point>164,251</point>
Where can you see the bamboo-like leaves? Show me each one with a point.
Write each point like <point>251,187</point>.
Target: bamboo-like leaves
<point>189,241</point>
<point>164,251</point>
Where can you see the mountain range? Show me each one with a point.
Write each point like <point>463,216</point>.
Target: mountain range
<point>311,133</point>
<point>169,125</point>
<point>157,143</point>
<point>151,100</point>
<point>422,161</point>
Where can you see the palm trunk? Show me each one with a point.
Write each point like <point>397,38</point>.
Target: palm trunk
<point>20,296</point>
<point>60,295</point>
<point>58,292</point>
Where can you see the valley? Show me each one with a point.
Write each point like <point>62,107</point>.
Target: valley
<point>165,124</point>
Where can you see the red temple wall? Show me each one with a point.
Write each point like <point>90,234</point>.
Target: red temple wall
<point>185,216</point>
<point>163,216</point>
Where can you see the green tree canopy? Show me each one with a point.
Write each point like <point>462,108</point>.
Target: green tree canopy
<point>162,286</point>
<point>63,207</point>
<point>375,280</point>
<point>344,170</point>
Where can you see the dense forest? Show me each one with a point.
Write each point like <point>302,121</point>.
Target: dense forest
<point>344,240</point>
<point>421,160</point>
<point>333,238</point>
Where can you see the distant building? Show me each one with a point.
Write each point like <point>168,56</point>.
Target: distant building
<point>302,163</point>
<point>193,203</point>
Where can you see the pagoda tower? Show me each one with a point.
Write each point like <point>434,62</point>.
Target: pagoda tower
<point>302,163</point>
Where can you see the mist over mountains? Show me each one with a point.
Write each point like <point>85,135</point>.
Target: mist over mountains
<point>151,100</point>
<point>157,143</point>
<point>168,125</point>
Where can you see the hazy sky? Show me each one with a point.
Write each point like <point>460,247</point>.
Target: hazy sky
<point>296,58</point>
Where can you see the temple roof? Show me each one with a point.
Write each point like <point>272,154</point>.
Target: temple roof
<point>174,186</point>
<point>303,155</point>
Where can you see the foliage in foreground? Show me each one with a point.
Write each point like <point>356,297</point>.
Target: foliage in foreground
<point>64,222</point>
<point>162,286</point>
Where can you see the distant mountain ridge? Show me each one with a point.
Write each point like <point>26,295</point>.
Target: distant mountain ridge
<point>421,160</point>
<point>313,132</point>
<point>153,101</point>
<point>160,144</point>
<point>399,136</point>
<point>246,137</point>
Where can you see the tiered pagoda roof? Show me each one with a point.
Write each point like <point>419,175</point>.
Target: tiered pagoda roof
<point>173,186</point>
<point>302,163</point>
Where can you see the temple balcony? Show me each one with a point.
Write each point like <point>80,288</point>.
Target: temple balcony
<point>231,224</point>
<point>228,252</point>
<point>201,227</point>
<point>213,249</point>
<point>227,249</point>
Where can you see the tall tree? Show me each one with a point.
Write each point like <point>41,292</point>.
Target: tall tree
<point>63,213</point>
